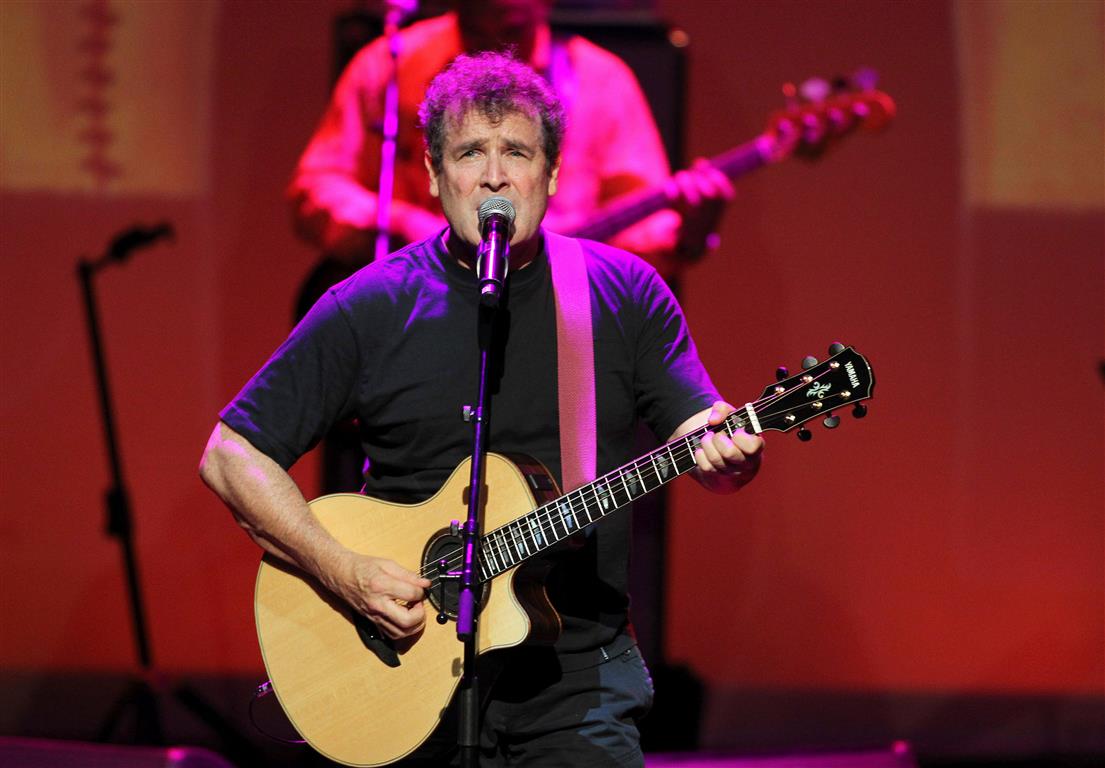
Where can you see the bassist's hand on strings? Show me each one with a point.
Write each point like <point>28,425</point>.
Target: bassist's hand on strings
<point>385,592</point>
<point>699,194</point>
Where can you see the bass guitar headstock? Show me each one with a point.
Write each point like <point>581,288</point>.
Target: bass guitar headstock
<point>820,112</point>
<point>845,380</point>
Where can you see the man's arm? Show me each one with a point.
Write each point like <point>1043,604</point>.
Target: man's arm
<point>333,202</point>
<point>632,157</point>
<point>267,503</point>
<point>724,464</point>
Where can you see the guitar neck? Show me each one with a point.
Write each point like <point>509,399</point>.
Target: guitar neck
<point>634,207</point>
<point>534,533</point>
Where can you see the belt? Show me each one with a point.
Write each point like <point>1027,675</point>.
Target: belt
<point>577,660</point>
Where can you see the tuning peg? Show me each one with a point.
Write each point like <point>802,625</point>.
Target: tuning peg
<point>805,435</point>
<point>809,361</point>
<point>781,373</point>
<point>831,421</point>
<point>815,90</point>
<point>835,348</point>
<point>859,410</point>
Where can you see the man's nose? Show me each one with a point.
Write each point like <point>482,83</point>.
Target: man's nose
<point>493,177</point>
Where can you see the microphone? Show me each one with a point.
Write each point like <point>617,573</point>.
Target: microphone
<point>135,238</point>
<point>496,218</point>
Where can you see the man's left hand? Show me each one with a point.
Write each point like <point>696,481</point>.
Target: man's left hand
<point>724,464</point>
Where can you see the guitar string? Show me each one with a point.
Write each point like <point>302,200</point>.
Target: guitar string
<point>679,450</point>
<point>683,445</point>
<point>573,500</point>
<point>605,488</point>
<point>594,494</point>
<point>686,445</point>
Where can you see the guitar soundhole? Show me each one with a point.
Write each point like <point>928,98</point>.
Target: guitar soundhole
<point>443,594</point>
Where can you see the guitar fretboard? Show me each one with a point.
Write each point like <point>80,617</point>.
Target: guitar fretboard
<point>844,379</point>
<point>532,534</point>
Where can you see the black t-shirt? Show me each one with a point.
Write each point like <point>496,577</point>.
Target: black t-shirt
<point>396,346</point>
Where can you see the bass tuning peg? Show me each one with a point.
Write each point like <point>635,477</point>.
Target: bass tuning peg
<point>809,361</point>
<point>859,410</point>
<point>836,348</point>
<point>805,435</point>
<point>831,421</point>
<point>781,373</point>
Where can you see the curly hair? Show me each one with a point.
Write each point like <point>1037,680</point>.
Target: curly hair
<point>494,84</point>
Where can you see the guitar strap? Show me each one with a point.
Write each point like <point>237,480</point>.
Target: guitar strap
<point>575,360</point>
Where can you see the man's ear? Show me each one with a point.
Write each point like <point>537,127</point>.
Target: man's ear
<point>553,174</point>
<point>430,170</point>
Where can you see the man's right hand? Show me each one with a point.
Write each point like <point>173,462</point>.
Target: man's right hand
<point>385,592</point>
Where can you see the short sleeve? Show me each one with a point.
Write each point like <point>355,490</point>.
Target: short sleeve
<point>671,383</point>
<point>303,389</point>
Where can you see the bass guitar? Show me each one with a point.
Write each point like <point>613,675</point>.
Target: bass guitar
<point>818,115</point>
<point>361,699</point>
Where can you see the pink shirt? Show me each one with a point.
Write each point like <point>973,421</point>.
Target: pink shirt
<point>611,144</point>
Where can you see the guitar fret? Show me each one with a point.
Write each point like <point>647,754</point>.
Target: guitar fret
<point>567,516</point>
<point>583,501</point>
<point>511,558</point>
<point>520,532</point>
<point>536,533</point>
<point>514,541</point>
<point>635,482</point>
<point>609,504</point>
<point>610,491</point>
<point>628,495</point>
<point>598,499</point>
<point>549,515</point>
<point>493,552</point>
<point>665,464</point>
<point>545,531</point>
<point>641,478</point>
<point>689,448</point>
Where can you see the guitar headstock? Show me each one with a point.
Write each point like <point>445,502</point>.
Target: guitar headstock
<point>844,380</point>
<point>820,112</point>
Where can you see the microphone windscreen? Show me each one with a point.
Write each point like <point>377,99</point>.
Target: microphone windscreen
<point>498,205</point>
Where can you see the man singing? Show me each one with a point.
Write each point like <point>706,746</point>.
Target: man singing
<point>396,347</point>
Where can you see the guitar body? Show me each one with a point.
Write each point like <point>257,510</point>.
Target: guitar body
<point>340,695</point>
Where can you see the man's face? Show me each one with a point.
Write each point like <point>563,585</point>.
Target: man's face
<point>484,159</point>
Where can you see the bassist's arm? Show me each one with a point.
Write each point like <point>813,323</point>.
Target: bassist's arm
<point>268,505</point>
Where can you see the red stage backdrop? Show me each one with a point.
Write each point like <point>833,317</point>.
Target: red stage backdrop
<point>952,541</point>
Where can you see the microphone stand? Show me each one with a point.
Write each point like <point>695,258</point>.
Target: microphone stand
<point>141,695</point>
<point>395,12</point>
<point>468,701</point>
<point>119,520</point>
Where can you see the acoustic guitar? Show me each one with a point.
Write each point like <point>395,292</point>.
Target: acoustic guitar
<point>361,699</point>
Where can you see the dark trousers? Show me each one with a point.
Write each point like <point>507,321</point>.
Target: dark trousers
<point>540,715</point>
